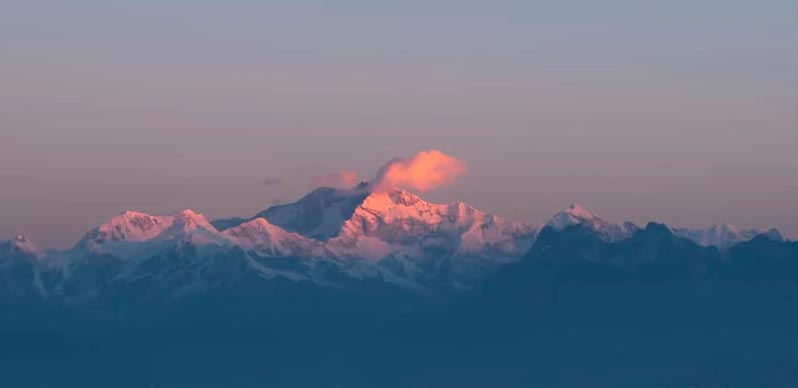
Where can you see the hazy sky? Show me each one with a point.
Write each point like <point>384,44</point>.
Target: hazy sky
<point>684,112</point>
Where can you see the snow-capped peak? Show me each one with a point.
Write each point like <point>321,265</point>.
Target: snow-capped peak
<point>317,215</point>
<point>261,236</point>
<point>131,226</point>
<point>21,244</point>
<point>574,214</point>
<point>192,220</point>
<point>577,214</point>
<point>256,232</point>
<point>402,206</point>
<point>137,227</point>
<point>723,236</point>
<point>403,234</point>
<point>399,222</point>
<point>387,201</point>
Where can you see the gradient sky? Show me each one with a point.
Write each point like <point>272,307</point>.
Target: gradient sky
<point>684,112</point>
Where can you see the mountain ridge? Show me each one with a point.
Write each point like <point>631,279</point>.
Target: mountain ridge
<point>338,237</point>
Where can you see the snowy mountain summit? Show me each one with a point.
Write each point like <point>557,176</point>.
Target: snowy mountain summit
<point>20,245</point>
<point>394,223</point>
<point>724,236</point>
<point>132,233</point>
<point>577,214</point>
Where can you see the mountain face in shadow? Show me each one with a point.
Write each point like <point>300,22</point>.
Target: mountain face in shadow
<point>653,276</point>
<point>18,278</point>
<point>404,293</point>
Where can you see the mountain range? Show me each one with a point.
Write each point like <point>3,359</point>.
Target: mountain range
<point>379,287</point>
<point>327,236</point>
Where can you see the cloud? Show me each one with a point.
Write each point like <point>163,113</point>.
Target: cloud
<point>424,171</point>
<point>345,178</point>
<point>272,181</point>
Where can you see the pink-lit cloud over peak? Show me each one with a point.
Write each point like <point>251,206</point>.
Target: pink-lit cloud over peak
<point>424,171</point>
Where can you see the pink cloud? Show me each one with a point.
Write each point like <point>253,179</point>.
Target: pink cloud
<point>424,171</point>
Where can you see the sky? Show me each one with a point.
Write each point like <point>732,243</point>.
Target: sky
<point>684,112</point>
